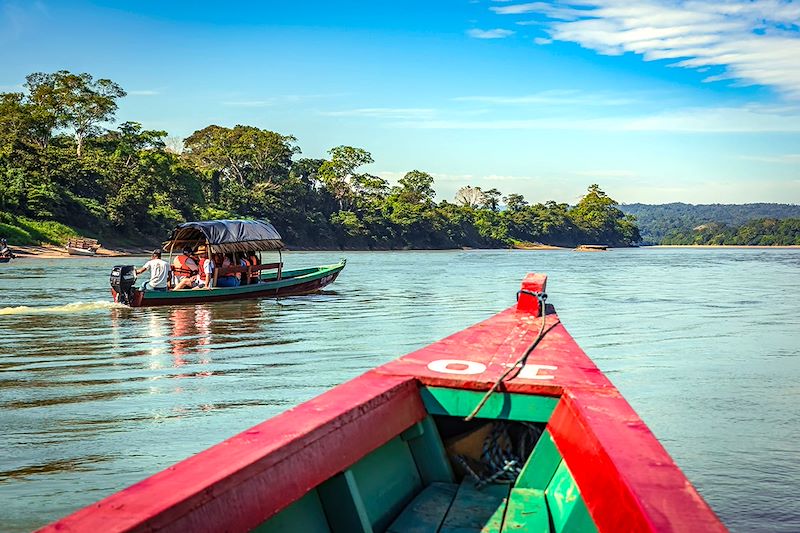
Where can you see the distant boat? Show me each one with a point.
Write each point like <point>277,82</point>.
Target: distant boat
<point>468,434</point>
<point>227,237</point>
<point>5,259</point>
<point>82,246</point>
<point>591,248</point>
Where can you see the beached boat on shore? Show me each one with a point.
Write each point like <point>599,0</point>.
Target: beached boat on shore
<point>82,246</point>
<point>591,248</point>
<point>227,237</point>
<point>505,426</point>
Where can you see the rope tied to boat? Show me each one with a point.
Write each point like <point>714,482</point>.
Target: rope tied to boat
<point>520,362</point>
<point>541,296</point>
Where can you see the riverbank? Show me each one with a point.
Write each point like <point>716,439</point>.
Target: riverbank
<point>49,251</point>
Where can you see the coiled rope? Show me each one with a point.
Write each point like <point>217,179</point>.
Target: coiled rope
<point>505,450</point>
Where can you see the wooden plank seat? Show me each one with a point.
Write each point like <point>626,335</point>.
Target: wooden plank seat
<point>453,508</point>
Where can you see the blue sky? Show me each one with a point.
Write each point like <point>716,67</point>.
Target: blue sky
<point>657,101</point>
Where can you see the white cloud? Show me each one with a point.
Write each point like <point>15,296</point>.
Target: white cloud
<point>399,113</point>
<point>783,159</point>
<point>745,119</point>
<point>552,97</point>
<point>753,42</point>
<point>144,92</point>
<point>496,33</point>
<point>249,103</point>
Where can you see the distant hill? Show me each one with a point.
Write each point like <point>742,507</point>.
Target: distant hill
<point>657,221</point>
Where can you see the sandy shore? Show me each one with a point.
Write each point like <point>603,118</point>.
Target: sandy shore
<point>48,251</point>
<point>538,247</point>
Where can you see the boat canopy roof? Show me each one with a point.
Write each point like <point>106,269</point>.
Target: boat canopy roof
<point>224,236</point>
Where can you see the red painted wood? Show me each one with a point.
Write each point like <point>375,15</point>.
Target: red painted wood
<point>497,343</point>
<point>627,479</point>
<point>527,302</point>
<point>241,482</point>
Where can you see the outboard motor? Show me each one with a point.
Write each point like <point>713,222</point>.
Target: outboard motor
<point>122,279</point>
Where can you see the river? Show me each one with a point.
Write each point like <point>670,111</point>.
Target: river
<point>704,344</point>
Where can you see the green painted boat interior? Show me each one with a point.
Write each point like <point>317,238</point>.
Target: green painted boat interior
<point>414,483</point>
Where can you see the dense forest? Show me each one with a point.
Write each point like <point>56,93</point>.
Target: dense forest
<point>670,223</point>
<point>762,232</point>
<point>64,171</point>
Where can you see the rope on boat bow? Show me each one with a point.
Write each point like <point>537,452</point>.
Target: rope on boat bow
<point>519,363</point>
<point>505,450</point>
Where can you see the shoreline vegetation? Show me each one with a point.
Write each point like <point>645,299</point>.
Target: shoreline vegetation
<point>64,173</point>
<point>49,251</point>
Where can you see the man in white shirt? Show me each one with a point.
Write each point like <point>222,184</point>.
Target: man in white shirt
<point>159,272</point>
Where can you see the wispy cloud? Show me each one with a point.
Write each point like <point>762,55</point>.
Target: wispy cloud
<point>17,18</point>
<point>496,33</point>
<point>249,103</point>
<point>143,92</point>
<point>783,159</point>
<point>399,113</point>
<point>745,119</point>
<point>238,100</point>
<point>552,97</point>
<point>752,42</point>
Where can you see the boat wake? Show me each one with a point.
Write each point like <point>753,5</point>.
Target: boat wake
<point>78,307</point>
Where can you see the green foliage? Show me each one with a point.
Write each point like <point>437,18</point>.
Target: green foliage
<point>658,221</point>
<point>758,232</point>
<point>124,183</point>
<point>24,231</point>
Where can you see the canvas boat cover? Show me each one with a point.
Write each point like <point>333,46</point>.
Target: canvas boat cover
<point>226,236</point>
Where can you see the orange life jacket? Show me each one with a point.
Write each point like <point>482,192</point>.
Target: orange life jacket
<point>253,260</point>
<point>180,267</point>
<point>202,273</point>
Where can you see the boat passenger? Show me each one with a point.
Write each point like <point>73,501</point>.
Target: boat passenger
<point>228,280</point>
<point>244,263</point>
<point>205,276</point>
<point>5,251</point>
<point>254,262</point>
<point>184,268</point>
<point>159,272</point>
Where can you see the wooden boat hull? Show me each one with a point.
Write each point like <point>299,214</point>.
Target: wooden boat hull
<point>374,454</point>
<point>81,251</point>
<point>292,283</point>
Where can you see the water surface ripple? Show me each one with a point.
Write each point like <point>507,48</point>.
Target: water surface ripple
<point>93,396</point>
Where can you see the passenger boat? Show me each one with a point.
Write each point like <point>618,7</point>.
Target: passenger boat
<point>227,236</point>
<point>591,248</point>
<point>82,246</point>
<point>505,426</point>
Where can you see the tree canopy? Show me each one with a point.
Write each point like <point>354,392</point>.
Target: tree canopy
<point>62,160</point>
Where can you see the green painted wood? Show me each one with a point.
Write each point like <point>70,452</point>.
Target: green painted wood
<point>526,511</point>
<point>343,505</point>
<point>428,451</point>
<point>541,465</point>
<point>305,514</point>
<point>426,512</point>
<point>567,508</point>
<point>580,520</point>
<point>387,480</point>
<point>288,278</point>
<point>501,405</point>
<point>475,510</point>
